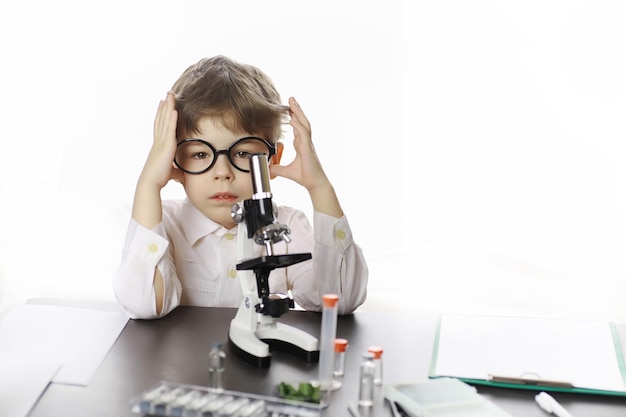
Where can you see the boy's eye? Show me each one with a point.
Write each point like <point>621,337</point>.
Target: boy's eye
<point>242,155</point>
<point>199,155</point>
<point>243,149</point>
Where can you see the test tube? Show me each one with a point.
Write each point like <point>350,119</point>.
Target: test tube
<point>230,408</point>
<point>327,342</point>
<point>217,357</point>
<point>176,407</point>
<point>340,356</point>
<point>215,405</point>
<point>366,380</point>
<point>146,402</point>
<point>159,405</point>
<point>253,409</point>
<point>192,409</point>
<point>378,361</point>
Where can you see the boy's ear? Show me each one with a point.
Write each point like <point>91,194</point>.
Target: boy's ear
<point>279,153</point>
<point>177,175</point>
<point>276,157</point>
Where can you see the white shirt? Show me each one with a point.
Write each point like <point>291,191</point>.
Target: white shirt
<point>197,257</point>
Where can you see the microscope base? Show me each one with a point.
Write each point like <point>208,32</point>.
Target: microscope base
<point>254,346</point>
<point>309,356</point>
<point>258,361</point>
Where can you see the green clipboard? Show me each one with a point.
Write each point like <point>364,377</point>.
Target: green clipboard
<point>530,353</point>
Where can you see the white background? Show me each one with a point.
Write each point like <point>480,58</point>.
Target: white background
<point>477,147</point>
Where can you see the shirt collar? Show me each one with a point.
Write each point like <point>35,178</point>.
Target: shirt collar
<point>196,225</point>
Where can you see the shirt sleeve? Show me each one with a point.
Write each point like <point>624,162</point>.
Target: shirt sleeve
<point>338,267</point>
<point>133,281</point>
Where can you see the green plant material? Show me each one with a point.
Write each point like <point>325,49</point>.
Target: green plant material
<point>304,392</point>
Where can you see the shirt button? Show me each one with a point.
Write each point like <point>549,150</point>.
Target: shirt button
<point>229,236</point>
<point>341,235</point>
<point>153,248</point>
<point>232,273</point>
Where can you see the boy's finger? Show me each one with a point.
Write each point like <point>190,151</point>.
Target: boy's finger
<point>164,110</point>
<point>157,116</point>
<point>296,111</point>
<point>171,122</point>
<point>161,117</point>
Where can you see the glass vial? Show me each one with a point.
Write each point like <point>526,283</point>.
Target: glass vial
<point>217,357</point>
<point>366,380</point>
<point>327,341</point>
<point>340,357</point>
<point>378,361</point>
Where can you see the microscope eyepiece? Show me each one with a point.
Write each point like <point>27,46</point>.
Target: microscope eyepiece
<point>259,170</point>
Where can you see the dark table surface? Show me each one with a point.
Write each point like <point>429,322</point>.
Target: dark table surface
<point>175,349</point>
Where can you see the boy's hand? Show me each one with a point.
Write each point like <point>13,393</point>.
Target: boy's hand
<point>306,168</point>
<point>158,169</point>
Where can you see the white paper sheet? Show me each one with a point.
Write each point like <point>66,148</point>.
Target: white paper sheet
<point>76,338</point>
<point>21,384</point>
<point>579,352</point>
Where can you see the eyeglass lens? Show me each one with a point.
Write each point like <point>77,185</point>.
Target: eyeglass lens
<point>197,156</point>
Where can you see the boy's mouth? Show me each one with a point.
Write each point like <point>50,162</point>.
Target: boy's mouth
<point>228,197</point>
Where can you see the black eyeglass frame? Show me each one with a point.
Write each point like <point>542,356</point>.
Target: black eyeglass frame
<point>217,153</point>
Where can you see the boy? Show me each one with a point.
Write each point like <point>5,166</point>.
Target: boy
<point>184,252</point>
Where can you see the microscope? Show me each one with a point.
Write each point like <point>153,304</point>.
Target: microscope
<point>255,327</point>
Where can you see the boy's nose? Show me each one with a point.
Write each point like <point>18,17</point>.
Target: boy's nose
<point>222,168</point>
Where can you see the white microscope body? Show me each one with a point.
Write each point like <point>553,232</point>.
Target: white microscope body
<point>255,326</point>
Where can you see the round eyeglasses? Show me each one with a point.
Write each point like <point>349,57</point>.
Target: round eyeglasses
<point>197,156</point>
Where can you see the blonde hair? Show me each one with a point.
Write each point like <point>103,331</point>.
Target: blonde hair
<point>240,96</point>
